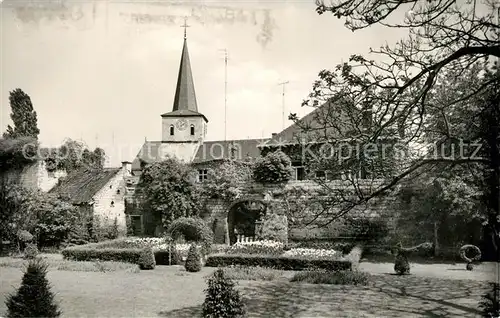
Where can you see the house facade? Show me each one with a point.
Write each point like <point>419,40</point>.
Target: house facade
<point>98,193</point>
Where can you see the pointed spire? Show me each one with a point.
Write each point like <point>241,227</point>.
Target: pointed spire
<point>185,97</point>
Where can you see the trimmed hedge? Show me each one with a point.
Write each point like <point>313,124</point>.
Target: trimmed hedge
<point>126,255</point>
<point>277,262</point>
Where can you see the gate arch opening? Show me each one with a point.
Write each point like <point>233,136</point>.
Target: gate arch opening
<point>244,217</point>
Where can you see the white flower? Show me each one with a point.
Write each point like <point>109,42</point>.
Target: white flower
<point>311,252</point>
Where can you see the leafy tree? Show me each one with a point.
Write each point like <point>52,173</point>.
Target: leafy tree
<point>18,210</point>
<point>225,181</point>
<point>430,91</point>
<point>23,116</point>
<point>167,189</point>
<point>74,155</point>
<point>34,298</point>
<point>55,219</point>
<point>43,214</point>
<point>443,209</point>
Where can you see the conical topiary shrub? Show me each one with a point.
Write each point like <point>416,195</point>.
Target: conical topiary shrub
<point>147,259</point>
<point>34,298</point>
<point>222,300</point>
<point>193,259</point>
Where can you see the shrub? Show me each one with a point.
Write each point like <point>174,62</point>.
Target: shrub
<point>31,251</point>
<point>34,298</point>
<point>275,167</point>
<point>222,300</point>
<point>193,259</point>
<point>78,235</point>
<point>274,228</point>
<point>193,230</point>
<point>490,302</point>
<point>401,264</point>
<point>278,262</point>
<point>102,230</point>
<point>332,278</point>
<point>147,259</point>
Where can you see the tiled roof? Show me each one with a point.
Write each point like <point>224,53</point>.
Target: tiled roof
<point>80,186</point>
<point>318,124</point>
<point>228,149</point>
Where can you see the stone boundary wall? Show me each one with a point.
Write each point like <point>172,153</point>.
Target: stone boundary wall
<point>277,199</point>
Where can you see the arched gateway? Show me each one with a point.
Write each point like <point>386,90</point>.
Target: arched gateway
<point>244,218</point>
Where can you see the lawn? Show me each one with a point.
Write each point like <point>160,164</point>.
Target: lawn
<point>168,291</point>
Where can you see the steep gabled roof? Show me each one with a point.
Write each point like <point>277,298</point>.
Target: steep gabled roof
<point>81,186</point>
<point>327,121</point>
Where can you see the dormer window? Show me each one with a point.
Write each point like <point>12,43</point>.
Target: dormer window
<point>171,130</point>
<point>192,130</point>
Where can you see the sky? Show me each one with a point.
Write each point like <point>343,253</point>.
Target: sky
<point>104,71</point>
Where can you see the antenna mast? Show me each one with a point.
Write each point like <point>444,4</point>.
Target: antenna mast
<point>283,103</point>
<point>225,93</point>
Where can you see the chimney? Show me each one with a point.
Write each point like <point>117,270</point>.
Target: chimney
<point>274,135</point>
<point>127,168</point>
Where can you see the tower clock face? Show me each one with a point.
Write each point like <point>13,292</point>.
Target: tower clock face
<point>182,124</point>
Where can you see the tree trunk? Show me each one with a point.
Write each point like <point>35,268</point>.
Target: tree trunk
<point>492,135</point>
<point>436,241</point>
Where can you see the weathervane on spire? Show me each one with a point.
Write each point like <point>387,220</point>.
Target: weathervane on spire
<point>185,26</point>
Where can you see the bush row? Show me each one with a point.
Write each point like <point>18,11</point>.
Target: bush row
<point>278,262</point>
<point>127,255</point>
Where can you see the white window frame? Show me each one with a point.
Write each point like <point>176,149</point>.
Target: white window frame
<point>202,175</point>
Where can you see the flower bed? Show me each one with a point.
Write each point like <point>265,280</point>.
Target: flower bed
<point>257,247</point>
<point>311,252</point>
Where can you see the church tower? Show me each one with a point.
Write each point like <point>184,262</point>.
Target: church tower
<point>184,124</point>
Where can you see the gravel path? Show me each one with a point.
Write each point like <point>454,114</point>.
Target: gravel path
<point>483,272</point>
